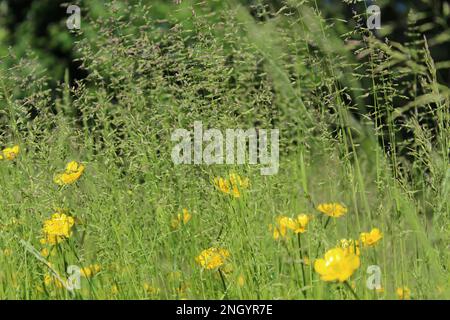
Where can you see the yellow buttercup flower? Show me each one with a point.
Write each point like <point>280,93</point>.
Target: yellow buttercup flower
<point>369,239</point>
<point>280,228</point>
<point>45,253</point>
<point>403,293</point>
<point>181,219</point>
<point>10,153</point>
<point>90,271</point>
<point>222,184</point>
<point>286,222</point>
<point>241,281</point>
<point>233,185</point>
<point>51,280</point>
<point>379,290</point>
<point>58,228</point>
<point>181,291</point>
<point>332,209</point>
<point>306,261</point>
<point>213,258</point>
<point>350,246</point>
<point>298,225</point>
<point>48,280</point>
<point>150,289</point>
<point>440,289</point>
<point>71,174</point>
<point>276,232</point>
<point>337,265</point>
<point>237,180</point>
<point>114,289</point>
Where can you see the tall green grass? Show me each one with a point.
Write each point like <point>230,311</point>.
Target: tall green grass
<point>343,139</point>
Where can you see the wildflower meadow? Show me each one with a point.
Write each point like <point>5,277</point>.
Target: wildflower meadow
<point>225,150</point>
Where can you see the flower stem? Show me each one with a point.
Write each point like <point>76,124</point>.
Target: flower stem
<point>324,227</point>
<point>327,222</point>
<point>302,264</point>
<point>223,283</point>
<point>349,287</point>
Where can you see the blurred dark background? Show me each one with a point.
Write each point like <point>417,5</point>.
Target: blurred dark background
<point>38,26</point>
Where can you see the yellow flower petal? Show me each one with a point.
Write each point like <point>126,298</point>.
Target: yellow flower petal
<point>337,265</point>
<point>213,258</point>
<point>72,173</point>
<point>58,228</point>
<point>10,153</point>
<point>371,238</point>
<point>332,209</point>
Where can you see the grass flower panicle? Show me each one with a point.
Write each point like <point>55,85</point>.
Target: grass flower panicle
<point>204,151</point>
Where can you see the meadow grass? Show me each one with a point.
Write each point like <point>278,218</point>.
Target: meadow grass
<point>290,72</point>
